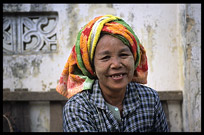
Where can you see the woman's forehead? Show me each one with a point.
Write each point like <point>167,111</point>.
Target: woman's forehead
<point>109,43</point>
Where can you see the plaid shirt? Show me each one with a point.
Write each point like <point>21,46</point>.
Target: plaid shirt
<point>88,112</point>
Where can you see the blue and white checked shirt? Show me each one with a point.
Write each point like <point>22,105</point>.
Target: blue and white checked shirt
<point>88,112</point>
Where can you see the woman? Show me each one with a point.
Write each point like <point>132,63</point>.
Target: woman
<point>102,80</point>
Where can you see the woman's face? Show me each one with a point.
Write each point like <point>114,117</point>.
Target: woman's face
<point>114,64</point>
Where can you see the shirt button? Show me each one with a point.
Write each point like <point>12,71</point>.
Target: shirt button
<point>116,109</point>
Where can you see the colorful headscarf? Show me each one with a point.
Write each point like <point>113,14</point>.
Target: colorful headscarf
<point>78,74</point>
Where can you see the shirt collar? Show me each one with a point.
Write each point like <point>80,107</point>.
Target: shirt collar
<point>97,96</point>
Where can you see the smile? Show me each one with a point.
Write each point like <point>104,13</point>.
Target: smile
<point>117,76</point>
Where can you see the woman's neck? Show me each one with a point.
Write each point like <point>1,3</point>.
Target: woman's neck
<point>113,97</point>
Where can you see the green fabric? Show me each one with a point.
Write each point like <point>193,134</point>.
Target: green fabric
<point>78,53</point>
<point>114,112</point>
<point>137,40</point>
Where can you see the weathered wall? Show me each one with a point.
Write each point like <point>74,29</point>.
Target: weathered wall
<point>192,87</point>
<point>170,33</point>
<point>156,27</point>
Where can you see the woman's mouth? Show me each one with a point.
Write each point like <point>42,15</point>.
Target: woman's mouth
<point>117,76</point>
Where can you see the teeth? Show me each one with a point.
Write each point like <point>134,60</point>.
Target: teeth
<point>117,76</point>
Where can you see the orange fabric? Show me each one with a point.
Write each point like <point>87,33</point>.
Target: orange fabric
<point>78,74</point>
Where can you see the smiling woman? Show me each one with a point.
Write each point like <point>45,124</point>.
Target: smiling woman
<point>114,67</point>
<point>103,79</point>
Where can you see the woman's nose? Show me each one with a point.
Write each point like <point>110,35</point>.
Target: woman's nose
<point>116,63</point>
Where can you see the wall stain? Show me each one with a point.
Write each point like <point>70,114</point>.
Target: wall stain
<point>190,23</point>
<point>50,83</point>
<point>188,52</point>
<point>150,45</point>
<point>100,9</point>
<point>35,64</point>
<point>19,70</point>
<point>44,86</point>
<point>23,68</point>
<point>174,48</point>
<point>121,15</point>
<point>131,18</point>
<point>73,23</point>
<point>13,7</point>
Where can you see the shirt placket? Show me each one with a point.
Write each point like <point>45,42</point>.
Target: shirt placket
<point>115,127</point>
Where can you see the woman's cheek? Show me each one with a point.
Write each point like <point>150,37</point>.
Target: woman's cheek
<point>131,67</point>
<point>100,69</point>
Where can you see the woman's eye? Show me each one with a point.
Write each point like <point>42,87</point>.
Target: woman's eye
<point>124,55</point>
<point>105,58</point>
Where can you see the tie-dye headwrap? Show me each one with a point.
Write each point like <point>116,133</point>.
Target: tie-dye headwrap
<point>78,74</point>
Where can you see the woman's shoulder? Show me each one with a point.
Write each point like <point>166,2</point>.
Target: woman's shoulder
<point>79,100</point>
<point>143,90</point>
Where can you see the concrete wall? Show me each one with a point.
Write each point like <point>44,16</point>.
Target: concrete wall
<point>171,34</point>
<point>192,87</point>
